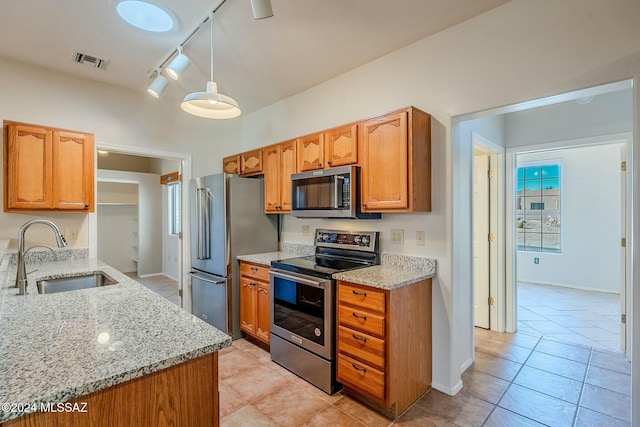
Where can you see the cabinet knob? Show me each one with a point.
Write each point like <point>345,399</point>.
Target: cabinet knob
<point>319,163</point>
<point>329,162</point>
<point>364,205</point>
<point>86,206</point>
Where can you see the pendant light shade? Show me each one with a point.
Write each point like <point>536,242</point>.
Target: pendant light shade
<point>261,9</point>
<point>180,63</point>
<point>158,85</point>
<point>210,104</point>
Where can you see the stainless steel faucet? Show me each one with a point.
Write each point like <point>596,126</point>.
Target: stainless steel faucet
<point>21,275</point>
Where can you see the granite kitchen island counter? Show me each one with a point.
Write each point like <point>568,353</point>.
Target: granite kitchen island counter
<point>56,347</point>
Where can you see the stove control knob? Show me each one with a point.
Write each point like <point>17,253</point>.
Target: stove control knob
<point>357,239</point>
<point>365,240</point>
<point>324,237</point>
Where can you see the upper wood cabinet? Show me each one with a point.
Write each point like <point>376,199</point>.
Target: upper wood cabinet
<point>279,163</point>
<point>341,146</point>
<point>395,154</point>
<point>251,163</point>
<point>311,152</point>
<point>47,169</point>
<point>231,164</point>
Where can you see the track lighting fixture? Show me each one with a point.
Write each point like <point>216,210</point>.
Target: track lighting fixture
<point>158,85</point>
<point>261,9</point>
<point>180,63</point>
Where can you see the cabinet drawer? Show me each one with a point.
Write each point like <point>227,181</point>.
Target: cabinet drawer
<point>360,376</point>
<point>253,270</point>
<point>361,346</point>
<point>361,320</point>
<point>362,297</point>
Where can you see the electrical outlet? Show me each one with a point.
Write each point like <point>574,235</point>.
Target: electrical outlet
<point>72,234</point>
<point>419,238</point>
<point>306,230</point>
<point>536,260</point>
<point>397,237</point>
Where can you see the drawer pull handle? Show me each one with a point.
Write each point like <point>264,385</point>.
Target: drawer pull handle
<point>360,294</point>
<point>358,368</point>
<point>254,268</point>
<point>363,339</point>
<point>359,317</point>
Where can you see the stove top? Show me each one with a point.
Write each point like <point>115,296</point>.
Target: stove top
<point>336,251</point>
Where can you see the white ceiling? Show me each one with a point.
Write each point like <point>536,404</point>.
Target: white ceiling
<point>257,62</point>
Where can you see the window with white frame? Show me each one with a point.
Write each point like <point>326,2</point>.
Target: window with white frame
<point>538,208</point>
<point>174,208</point>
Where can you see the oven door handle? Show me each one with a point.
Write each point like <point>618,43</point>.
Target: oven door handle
<point>298,279</point>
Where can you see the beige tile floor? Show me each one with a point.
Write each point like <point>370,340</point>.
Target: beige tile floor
<point>516,380</point>
<point>523,379</point>
<point>570,315</point>
<point>163,286</point>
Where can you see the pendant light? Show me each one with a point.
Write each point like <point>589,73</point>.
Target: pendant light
<point>211,104</point>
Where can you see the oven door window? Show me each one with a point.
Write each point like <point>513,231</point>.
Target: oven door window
<point>299,309</point>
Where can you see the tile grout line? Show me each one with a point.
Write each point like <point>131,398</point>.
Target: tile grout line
<point>584,379</point>
<point>509,386</point>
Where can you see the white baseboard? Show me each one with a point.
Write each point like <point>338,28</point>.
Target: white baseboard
<point>451,391</point>
<point>562,285</point>
<point>169,277</point>
<point>466,364</point>
<point>150,275</point>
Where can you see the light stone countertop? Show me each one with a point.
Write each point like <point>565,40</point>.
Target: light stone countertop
<point>56,347</point>
<point>393,272</point>
<point>289,250</point>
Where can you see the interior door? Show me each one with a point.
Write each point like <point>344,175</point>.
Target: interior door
<point>481,239</point>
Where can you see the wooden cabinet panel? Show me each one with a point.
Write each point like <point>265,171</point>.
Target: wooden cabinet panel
<point>362,296</point>
<point>72,170</point>
<point>253,270</point>
<point>27,170</point>
<point>264,312</point>
<point>255,302</point>
<point>231,164</point>
<point>311,152</point>
<point>362,346</point>
<point>271,162</point>
<point>288,163</point>
<point>251,163</point>
<point>342,145</point>
<point>385,163</point>
<point>364,377</point>
<point>48,169</point>
<point>247,305</point>
<point>361,320</point>
<point>395,154</point>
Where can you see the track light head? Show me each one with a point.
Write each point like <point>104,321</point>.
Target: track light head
<point>158,85</point>
<point>261,9</point>
<point>179,64</point>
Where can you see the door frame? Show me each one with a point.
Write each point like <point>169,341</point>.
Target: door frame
<point>497,227</point>
<point>184,161</point>
<point>511,246</point>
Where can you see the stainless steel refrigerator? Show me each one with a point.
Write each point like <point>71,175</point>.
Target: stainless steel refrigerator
<point>227,219</point>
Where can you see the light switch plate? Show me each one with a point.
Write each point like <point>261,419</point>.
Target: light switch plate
<point>306,230</point>
<point>72,234</point>
<point>419,238</point>
<point>397,237</point>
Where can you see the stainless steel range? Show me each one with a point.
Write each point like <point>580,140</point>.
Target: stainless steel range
<point>303,303</point>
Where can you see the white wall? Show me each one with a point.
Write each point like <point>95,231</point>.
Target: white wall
<point>590,222</point>
<point>517,52</point>
<point>170,243</point>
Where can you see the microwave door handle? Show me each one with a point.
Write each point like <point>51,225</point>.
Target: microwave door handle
<point>338,182</point>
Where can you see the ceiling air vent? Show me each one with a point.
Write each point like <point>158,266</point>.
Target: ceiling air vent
<point>83,58</point>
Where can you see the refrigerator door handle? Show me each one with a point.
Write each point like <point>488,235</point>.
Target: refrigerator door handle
<point>215,282</point>
<point>202,224</point>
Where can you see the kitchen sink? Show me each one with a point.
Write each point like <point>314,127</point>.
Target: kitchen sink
<point>64,284</point>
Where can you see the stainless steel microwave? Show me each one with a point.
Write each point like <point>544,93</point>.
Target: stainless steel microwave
<point>328,193</point>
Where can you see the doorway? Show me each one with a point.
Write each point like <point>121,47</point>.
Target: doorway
<point>154,246</point>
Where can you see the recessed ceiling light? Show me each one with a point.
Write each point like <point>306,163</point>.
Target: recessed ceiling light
<point>145,16</point>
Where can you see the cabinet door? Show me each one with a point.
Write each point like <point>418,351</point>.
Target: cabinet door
<point>271,162</point>
<point>342,145</point>
<point>385,180</point>
<point>264,312</point>
<point>251,163</point>
<point>311,152</point>
<point>27,167</point>
<point>231,164</point>
<point>72,170</point>
<point>247,305</point>
<point>287,167</point>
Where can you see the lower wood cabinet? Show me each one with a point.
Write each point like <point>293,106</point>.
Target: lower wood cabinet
<point>255,304</point>
<point>384,344</point>
<point>184,395</point>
